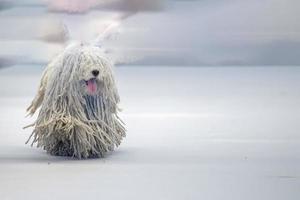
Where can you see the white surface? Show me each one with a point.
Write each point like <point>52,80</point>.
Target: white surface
<point>193,133</point>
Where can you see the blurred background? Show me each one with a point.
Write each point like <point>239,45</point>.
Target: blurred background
<point>156,32</point>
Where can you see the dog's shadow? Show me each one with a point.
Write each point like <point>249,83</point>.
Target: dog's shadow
<point>28,155</point>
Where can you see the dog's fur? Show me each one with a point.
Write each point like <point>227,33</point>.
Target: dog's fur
<point>72,121</point>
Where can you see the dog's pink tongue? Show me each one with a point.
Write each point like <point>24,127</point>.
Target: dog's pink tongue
<point>91,85</point>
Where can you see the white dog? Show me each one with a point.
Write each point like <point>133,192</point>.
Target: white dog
<point>79,104</point>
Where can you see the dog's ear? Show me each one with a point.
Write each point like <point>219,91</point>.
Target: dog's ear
<point>39,97</point>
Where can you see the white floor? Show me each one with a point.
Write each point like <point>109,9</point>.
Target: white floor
<point>193,133</point>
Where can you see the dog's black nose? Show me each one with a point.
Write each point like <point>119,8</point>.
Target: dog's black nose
<point>95,72</point>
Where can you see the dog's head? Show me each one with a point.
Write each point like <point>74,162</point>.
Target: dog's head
<point>79,74</point>
<point>93,70</point>
<point>84,70</point>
